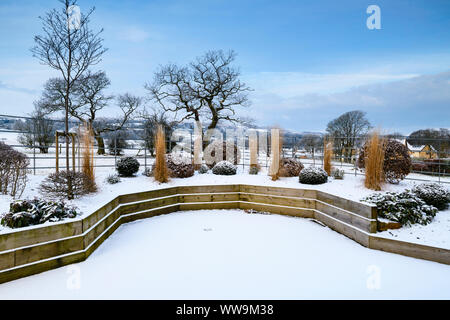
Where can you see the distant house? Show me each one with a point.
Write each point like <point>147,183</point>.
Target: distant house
<point>422,151</point>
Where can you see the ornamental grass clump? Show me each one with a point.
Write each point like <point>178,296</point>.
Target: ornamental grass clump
<point>327,155</point>
<point>373,160</point>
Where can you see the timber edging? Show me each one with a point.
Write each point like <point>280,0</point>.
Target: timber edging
<point>41,248</point>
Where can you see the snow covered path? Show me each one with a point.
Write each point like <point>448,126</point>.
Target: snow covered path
<point>227,254</point>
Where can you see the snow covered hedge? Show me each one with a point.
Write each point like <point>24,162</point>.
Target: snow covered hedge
<point>224,168</point>
<point>127,166</point>
<point>24,213</point>
<point>404,207</point>
<point>313,175</point>
<point>433,194</point>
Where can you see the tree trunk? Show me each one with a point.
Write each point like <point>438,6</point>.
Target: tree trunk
<point>100,144</point>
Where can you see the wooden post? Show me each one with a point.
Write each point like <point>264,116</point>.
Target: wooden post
<point>253,146</point>
<point>197,145</point>
<point>57,151</point>
<point>73,151</point>
<point>275,153</point>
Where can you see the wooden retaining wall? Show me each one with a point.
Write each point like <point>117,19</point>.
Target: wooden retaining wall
<point>41,248</point>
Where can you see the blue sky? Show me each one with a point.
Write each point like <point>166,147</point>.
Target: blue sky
<point>308,61</point>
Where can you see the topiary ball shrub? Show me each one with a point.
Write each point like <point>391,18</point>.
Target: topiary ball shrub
<point>148,172</point>
<point>397,161</point>
<point>127,166</point>
<point>433,194</point>
<point>224,168</point>
<point>405,207</point>
<point>203,169</point>
<point>232,151</point>
<point>290,167</point>
<point>313,175</point>
<point>253,170</point>
<point>112,179</point>
<point>179,166</point>
<point>24,213</point>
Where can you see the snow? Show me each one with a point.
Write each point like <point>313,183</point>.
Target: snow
<point>351,187</point>
<point>228,254</point>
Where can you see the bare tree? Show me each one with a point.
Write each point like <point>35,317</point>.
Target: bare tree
<point>208,88</point>
<point>151,122</point>
<point>346,130</point>
<point>37,131</point>
<point>311,142</point>
<point>69,48</point>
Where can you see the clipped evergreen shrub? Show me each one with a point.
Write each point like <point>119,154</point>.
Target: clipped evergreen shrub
<point>203,169</point>
<point>313,175</point>
<point>127,166</point>
<point>224,168</point>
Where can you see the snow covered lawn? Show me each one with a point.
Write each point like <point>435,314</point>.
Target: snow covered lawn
<point>228,254</point>
<point>352,187</point>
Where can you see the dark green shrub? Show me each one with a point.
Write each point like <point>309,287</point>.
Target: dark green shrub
<point>127,166</point>
<point>224,168</point>
<point>24,213</point>
<point>433,194</point>
<point>313,175</point>
<point>405,207</point>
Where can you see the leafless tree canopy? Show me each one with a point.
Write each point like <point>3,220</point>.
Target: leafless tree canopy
<point>346,129</point>
<point>70,49</point>
<point>208,88</point>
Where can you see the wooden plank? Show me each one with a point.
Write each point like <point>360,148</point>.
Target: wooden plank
<point>288,192</point>
<point>279,200</point>
<point>39,234</point>
<point>148,204</point>
<point>208,189</point>
<point>365,210</point>
<point>347,217</point>
<point>409,249</point>
<point>341,227</point>
<point>47,250</point>
<point>210,197</point>
<point>7,260</point>
<point>209,205</point>
<point>140,196</point>
<point>289,211</point>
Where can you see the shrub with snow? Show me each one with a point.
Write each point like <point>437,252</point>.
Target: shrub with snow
<point>404,207</point>
<point>224,168</point>
<point>179,165</point>
<point>127,166</point>
<point>56,184</point>
<point>148,172</point>
<point>229,151</point>
<point>253,169</point>
<point>13,170</point>
<point>313,175</point>
<point>203,169</point>
<point>24,213</point>
<point>290,167</point>
<point>338,174</point>
<point>397,161</point>
<point>433,194</point>
<point>113,179</point>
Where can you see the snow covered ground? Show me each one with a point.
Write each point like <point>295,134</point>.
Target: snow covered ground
<point>228,254</point>
<point>352,187</point>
